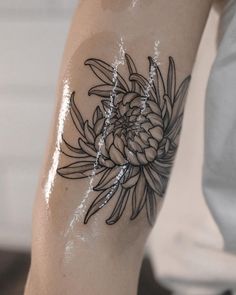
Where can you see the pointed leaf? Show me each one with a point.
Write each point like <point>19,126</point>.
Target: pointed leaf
<point>179,101</point>
<point>139,196</point>
<point>146,87</point>
<point>97,115</point>
<point>132,179</point>
<point>78,170</point>
<point>76,115</point>
<point>89,133</point>
<point>112,177</point>
<point>151,208</point>
<point>105,90</point>
<point>132,69</point>
<point>103,198</point>
<point>119,207</point>
<point>158,82</point>
<point>153,179</point>
<point>89,149</point>
<point>171,79</point>
<point>106,73</point>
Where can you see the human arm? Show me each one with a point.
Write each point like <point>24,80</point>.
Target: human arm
<point>99,195</point>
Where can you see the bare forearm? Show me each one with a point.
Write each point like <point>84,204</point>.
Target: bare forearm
<point>122,89</point>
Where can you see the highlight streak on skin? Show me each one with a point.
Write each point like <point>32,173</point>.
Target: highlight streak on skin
<point>152,74</point>
<point>133,4</point>
<point>147,90</point>
<point>80,210</point>
<point>60,129</point>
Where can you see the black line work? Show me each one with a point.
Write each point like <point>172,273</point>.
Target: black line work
<point>130,142</point>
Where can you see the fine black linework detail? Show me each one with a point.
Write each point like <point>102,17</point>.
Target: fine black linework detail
<point>131,140</point>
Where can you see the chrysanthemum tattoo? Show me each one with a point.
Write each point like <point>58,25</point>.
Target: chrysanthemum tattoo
<point>130,142</point>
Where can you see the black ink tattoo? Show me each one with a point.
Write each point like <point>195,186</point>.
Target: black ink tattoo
<point>131,140</point>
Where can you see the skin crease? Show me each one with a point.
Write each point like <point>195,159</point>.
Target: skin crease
<point>70,257</point>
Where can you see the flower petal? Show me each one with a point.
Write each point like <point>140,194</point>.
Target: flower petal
<point>132,180</point>
<point>157,133</point>
<point>99,126</point>
<point>119,144</point>
<point>150,153</point>
<point>142,158</point>
<point>139,196</point>
<point>97,115</point>
<point>106,73</point>
<point>88,132</point>
<point>105,90</point>
<point>153,179</point>
<point>131,157</point>
<point>106,162</point>
<point>119,207</point>
<point>171,79</point>
<point>116,156</point>
<point>110,178</point>
<point>78,170</point>
<point>76,115</point>
<point>86,148</point>
<point>103,198</point>
<point>151,208</point>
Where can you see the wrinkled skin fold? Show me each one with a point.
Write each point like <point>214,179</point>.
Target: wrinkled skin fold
<point>131,140</point>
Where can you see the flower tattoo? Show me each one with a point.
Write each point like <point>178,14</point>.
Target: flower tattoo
<point>131,140</point>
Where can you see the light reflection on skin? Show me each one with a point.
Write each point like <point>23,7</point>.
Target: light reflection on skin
<point>133,4</point>
<point>81,209</point>
<point>151,76</point>
<point>60,129</point>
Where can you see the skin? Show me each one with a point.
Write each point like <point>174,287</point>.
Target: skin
<point>69,257</point>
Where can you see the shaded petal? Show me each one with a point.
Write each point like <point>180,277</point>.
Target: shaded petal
<point>100,146</point>
<point>146,87</point>
<point>77,151</point>
<point>158,82</point>
<point>110,178</point>
<point>157,133</point>
<point>106,162</point>
<point>132,69</point>
<point>155,119</point>
<point>131,157</point>
<point>150,153</point>
<point>139,196</point>
<point>76,115</point>
<point>179,101</point>
<point>132,179</point>
<point>105,90</point>
<point>116,156</point>
<point>119,207</point>
<point>142,158</point>
<point>97,115</point>
<point>98,127</point>
<point>106,73</point>
<point>78,170</point>
<point>88,132</point>
<point>118,142</point>
<point>154,107</point>
<point>171,79</point>
<point>151,208</point>
<point>153,179</point>
<point>102,199</point>
<point>109,140</point>
<point>153,143</point>
<point>134,146</point>
<point>87,148</point>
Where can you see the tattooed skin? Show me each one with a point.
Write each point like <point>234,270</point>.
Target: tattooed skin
<point>131,140</point>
